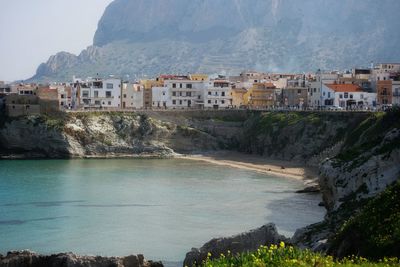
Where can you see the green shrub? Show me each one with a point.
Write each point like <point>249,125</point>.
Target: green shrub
<point>282,256</point>
<point>375,231</point>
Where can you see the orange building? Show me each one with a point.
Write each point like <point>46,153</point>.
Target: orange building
<point>384,92</point>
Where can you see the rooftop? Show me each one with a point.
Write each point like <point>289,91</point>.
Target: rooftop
<point>344,87</point>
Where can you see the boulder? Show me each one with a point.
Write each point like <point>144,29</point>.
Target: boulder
<point>245,242</point>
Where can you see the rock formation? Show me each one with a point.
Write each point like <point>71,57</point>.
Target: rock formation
<point>31,259</point>
<point>245,242</point>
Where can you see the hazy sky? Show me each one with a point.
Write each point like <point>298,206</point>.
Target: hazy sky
<point>33,30</point>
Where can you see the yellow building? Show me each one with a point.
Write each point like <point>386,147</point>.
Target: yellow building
<point>238,97</point>
<point>260,95</point>
<point>198,77</point>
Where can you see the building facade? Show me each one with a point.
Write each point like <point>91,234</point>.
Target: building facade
<point>217,94</point>
<point>132,96</point>
<point>100,93</point>
<point>384,92</point>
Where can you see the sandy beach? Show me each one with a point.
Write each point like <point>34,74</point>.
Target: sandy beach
<point>258,164</point>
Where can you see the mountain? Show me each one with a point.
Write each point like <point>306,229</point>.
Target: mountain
<point>148,37</point>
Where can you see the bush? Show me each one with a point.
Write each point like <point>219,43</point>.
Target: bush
<point>282,256</point>
<point>375,231</point>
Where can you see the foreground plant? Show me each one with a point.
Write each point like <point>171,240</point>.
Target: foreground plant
<point>288,256</point>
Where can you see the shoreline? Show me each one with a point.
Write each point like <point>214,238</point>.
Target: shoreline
<point>231,159</point>
<point>258,164</point>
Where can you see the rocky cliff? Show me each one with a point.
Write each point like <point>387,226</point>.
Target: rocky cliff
<point>101,135</point>
<point>367,163</point>
<point>137,37</point>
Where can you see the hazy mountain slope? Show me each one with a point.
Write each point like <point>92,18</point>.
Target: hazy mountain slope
<point>136,37</point>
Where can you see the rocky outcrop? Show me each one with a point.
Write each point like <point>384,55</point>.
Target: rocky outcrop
<point>31,259</point>
<point>245,242</point>
<point>365,166</point>
<point>101,135</point>
<point>299,136</point>
<point>364,176</point>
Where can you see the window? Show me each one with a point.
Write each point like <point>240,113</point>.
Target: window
<point>180,85</point>
<point>85,93</point>
<point>329,94</point>
<point>189,86</point>
<point>62,96</point>
<point>222,101</point>
<point>346,95</point>
<point>174,85</point>
<point>315,90</point>
<point>173,102</point>
<point>299,91</point>
<point>362,96</point>
<point>109,103</point>
<point>108,94</point>
<point>209,93</point>
<point>209,101</point>
<point>163,93</point>
<point>223,93</point>
<point>110,86</point>
<point>323,93</point>
<point>351,96</point>
<point>180,102</point>
<point>173,93</point>
<point>124,95</point>
<point>98,103</point>
<point>96,93</point>
<point>180,93</point>
<point>341,96</point>
<point>188,93</point>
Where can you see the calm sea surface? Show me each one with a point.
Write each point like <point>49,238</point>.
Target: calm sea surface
<point>161,208</point>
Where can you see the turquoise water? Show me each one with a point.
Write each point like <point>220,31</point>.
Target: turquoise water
<point>161,208</point>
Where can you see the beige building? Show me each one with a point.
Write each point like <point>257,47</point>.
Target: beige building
<point>132,96</point>
<point>295,97</point>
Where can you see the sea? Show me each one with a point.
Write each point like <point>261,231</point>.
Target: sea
<point>157,207</point>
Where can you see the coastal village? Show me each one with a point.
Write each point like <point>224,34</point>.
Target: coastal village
<point>366,89</point>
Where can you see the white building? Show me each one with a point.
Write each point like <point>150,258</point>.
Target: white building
<point>315,88</point>
<point>396,93</point>
<point>184,93</point>
<point>100,93</point>
<point>161,97</point>
<point>218,94</point>
<point>347,96</point>
<point>132,96</point>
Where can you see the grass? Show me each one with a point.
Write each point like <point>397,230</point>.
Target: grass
<point>360,143</point>
<point>375,231</point>
<point>288,256</point>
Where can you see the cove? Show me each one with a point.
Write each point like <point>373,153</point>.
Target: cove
<point>160,208</point>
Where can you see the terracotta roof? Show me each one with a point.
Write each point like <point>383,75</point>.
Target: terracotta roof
<point>220,81</point>
<point>344,87</point>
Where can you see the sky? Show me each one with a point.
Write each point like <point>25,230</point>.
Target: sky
<point>33,30</point>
